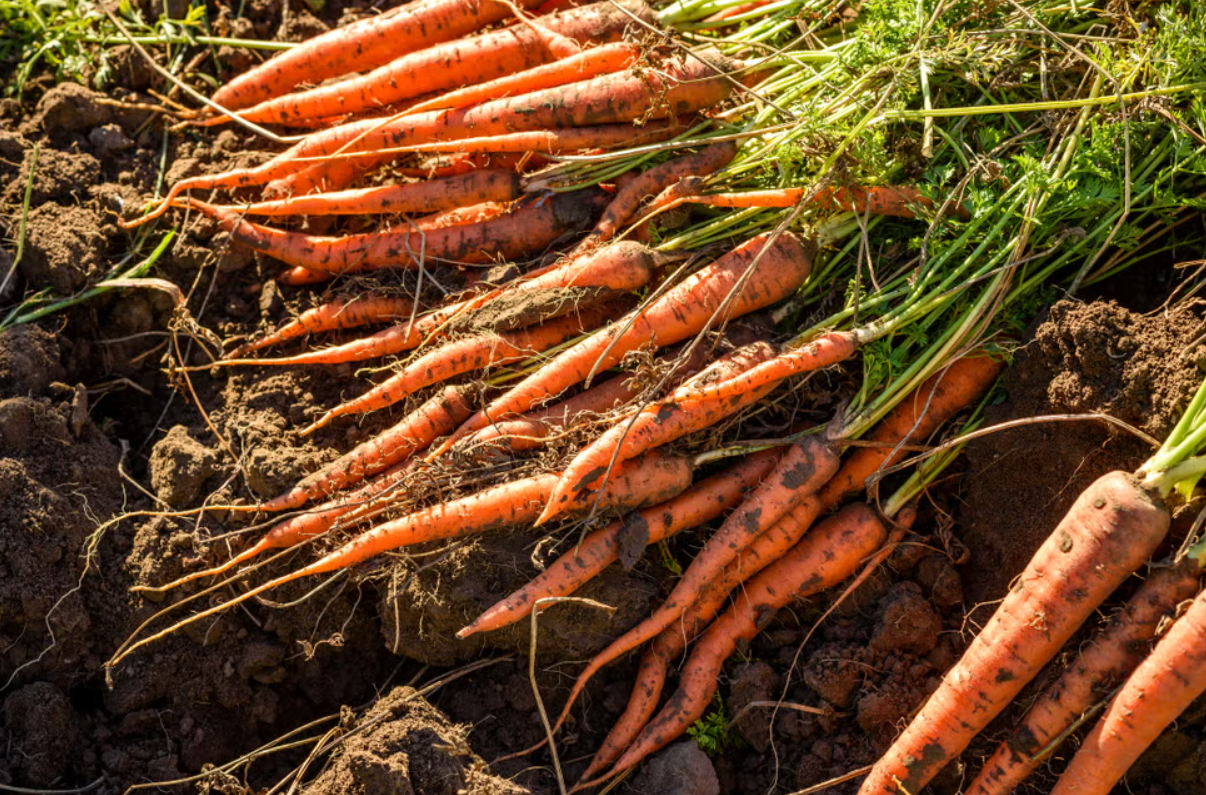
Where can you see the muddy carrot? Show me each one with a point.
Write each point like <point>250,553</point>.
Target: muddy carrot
<point>727,288</point>
<point>469,61</point>
<point>1107,660</point>
<point>462,190</point>
<point>524,231</point>
<point>339,314</point>
<point>703,502</point>
<point>825,557</point>
<point>1159,690</point>
<point>469,355</point>
<point>1111,529</point>
<point>361,45</point>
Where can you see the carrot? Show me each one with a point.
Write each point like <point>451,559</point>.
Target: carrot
<point>729,287</point>
<point>415,431</point>
<point>461,190</point>
<point>1112,655</point>
<point>526,230</point>
<point>656,179</point>
<point>651,479</point>
<point>469,355</point>
<point>825,557</point>
<point>361,45</point>
<point>604,59</point>
<point>598,550</point>
<point>465,163</point>
<point>1110,530</point>
<point>471,61</point>
<point>937,400</point>
<point>737,10</point>
<point>620,267</point>
<point>342,313</point>
<point>675,89</point>
<point>1159,690</point>
<point>336,171</point>
<point>656,424</point>
<point>436,417</point>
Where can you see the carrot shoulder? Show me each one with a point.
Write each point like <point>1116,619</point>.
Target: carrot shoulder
<point>1111,529</point>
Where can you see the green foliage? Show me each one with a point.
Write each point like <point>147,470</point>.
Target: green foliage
<point>711,732</point>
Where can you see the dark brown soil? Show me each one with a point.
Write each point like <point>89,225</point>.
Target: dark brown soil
<point>93,424</point>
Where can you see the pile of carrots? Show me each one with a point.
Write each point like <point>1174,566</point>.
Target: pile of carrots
<point>434,119</point>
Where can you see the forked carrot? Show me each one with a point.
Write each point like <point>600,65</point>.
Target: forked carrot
<point>475,60</point>
<point>1112,528</point>
<point>469,355</point>
<point>1107,660</point>
<point>361,45</point>
<point>591,62</point>
<point>343,313</point>
<point>754,275</point>
<point>703,502</point>
<point>651,479</point>
<point>446,193</point>
<point>825,557</point>
<point>1159,690</point>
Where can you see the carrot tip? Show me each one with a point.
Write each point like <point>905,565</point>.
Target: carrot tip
<point>466,632</point>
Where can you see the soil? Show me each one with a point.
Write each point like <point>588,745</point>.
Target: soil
<point>94,424</point>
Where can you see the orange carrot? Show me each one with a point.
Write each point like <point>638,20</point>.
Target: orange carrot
<point>825,557</point>
<point>598,550</point>
<point>469,355</point>
<point>675,89</point>
<point>737,10</point>
<point>396,446</point>
<point>601,60</point>
<point>339,314</point>
<point>1111,529</point>
<point>656,179</point>
<point>361,45</point>
<point>648,480</point>
<point>462,190</point>
<point>727,288</point>
<point>1159,690</point>
<point>526,230</point>
<point>454,165</point>
<point>937,400</point>
<point>1112,655</point>
<point>415,431</point>
<point>656,424</point>
<point>468,61</point>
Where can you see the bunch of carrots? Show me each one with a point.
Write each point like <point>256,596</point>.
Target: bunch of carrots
<point>563,139</point>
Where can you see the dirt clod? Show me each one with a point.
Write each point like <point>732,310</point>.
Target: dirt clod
<point>180,465</point>
<point>906,621</point>
<point>71,107</point>
<point>681,769</point>
<point>752,682</point>
<point>45,734</point>
<point>64,247</point>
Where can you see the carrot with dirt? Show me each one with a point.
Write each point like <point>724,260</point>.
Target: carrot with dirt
<point>365,44</point>
<point>469,355</point>
<point>916,416</point>
<point>362,310</point>
<point>526,230</point>
<point>651,182</point>
<point>754,275</point>
<point>1161,688</point>
<point>591,62</point>
<point>461,190</point>
<point>472,61</point>
<point>393,449</point>
<point>622,267</point>
<point>701,503</point>
<point>675,89</point>
<point>825,557</point>
<point>1107,660</point>
<point>652,479</point>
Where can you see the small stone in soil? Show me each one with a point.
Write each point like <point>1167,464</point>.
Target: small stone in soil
<point>681,769</point>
